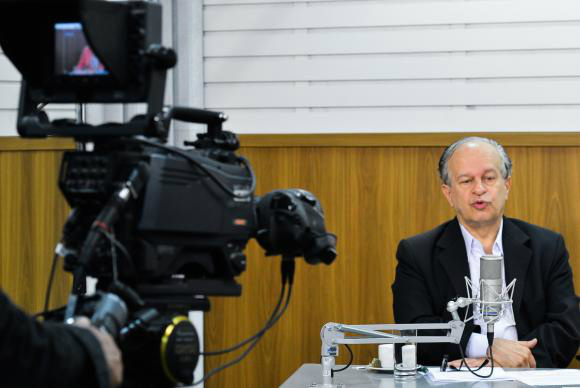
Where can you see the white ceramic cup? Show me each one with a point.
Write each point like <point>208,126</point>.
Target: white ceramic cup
<point>387,355</point>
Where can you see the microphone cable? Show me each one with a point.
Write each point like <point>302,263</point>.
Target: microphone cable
<point>333,371</point>
<point>481,366</point>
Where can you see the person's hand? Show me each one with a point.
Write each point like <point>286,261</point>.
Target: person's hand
<point>110,350</point>
<point>473,363</point>
<point>507,354</point>
<point>514,354</point>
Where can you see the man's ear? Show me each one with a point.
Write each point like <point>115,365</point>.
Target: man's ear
<point>508,186</point>
<point>446,190</point>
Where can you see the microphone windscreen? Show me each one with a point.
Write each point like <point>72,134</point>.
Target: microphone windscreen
<point>490,267</point>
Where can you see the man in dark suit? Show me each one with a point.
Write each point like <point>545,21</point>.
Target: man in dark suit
<point>542,327</point>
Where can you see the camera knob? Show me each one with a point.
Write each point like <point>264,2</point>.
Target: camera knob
<point>238,261</point>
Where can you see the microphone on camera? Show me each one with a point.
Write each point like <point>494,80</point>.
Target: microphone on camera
<point>490,292</point>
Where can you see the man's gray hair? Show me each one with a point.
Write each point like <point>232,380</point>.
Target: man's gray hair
<point>505,166</point>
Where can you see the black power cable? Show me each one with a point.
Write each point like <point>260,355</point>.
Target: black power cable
<point>333,371</point>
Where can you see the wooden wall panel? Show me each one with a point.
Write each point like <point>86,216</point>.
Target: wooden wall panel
<point>375,190</point>
<point>32,213</point>
<point>372,197</point>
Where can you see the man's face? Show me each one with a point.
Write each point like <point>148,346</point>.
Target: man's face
<point>477,190</point>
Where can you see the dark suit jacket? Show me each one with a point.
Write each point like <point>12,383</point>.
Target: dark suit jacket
<point>49,354</point>
<point>431,270</point>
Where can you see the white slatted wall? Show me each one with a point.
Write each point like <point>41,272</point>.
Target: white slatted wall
<point>285,66</point>
<point>9,95</point>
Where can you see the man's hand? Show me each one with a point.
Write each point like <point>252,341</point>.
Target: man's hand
<point>507,354</point>
<point>110,350</point>
<point>514,354</point>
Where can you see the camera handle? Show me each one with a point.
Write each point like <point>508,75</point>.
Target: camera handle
<point>212,119</point>
<point>215,137</point>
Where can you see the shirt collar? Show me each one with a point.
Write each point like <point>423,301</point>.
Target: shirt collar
<point>470,241</point>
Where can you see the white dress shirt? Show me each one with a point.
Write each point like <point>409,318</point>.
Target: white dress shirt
<point>506,326</point>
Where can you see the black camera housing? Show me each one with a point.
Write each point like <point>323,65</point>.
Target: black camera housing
<point>186,234</point>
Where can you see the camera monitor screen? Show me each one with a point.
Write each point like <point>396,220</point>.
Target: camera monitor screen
<point>73,55</point>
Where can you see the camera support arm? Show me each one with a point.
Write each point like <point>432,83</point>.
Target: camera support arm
<point>333,334</point>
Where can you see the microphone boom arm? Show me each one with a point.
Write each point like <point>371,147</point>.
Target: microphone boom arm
<point>333,334</point>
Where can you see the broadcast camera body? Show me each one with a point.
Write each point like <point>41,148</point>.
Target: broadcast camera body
<point>161,228</point>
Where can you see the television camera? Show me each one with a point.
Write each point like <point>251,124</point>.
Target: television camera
<point>160,228</point>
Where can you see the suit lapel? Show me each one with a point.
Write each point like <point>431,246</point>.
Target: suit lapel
<point>516,260</point>
<point>453,256</point>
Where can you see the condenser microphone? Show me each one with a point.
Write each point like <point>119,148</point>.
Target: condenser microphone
<point>490,292</point>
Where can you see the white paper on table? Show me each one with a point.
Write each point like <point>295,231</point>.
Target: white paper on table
<point>547,377</point>
<point>436,375</point>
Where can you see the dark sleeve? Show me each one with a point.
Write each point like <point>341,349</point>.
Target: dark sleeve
<point>413,302</point>
<point>559,335</point>
<point>33,354</point>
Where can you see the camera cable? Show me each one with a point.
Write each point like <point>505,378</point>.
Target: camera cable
<point>249,349</point>
<point>288,267</point>
<point>49,285</point>
<point>115,270</point>
<point>116,244</point>
<point>284,271</point>
<point>258,334</point>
